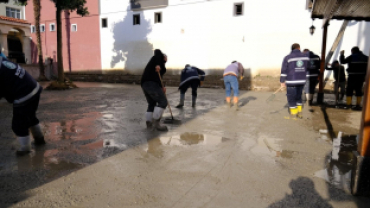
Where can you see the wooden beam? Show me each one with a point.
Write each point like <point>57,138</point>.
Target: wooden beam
<point>364,138</point>
<point>320,96</point>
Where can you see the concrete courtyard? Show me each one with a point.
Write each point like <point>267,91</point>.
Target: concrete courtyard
<point>100,154</point>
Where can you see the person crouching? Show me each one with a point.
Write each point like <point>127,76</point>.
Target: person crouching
<point>190,77</point>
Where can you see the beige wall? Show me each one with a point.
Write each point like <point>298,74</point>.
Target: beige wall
<point>12,5</point>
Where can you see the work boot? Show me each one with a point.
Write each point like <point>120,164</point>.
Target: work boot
<point>292,113</point>
<point>38,135</point>
<point>149,120</point>
<point>193,101</point>
<point>25,145</point>
<point>309,99</point>
<point>182,99</point>
<point>157,115</point>
<point>299,114</point>
<point>349,102</point>
<point>358,104</point>
<point>157,126</point>
<point>236,100</point>
<point>228,102</point>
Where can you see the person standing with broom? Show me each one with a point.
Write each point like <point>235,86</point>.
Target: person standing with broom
<point>154,91</point>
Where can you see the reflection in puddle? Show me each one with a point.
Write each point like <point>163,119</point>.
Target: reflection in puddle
<point>47,160</point>
<point>339,164</point>
<point>156,146</point>
<point>192,138</point>
<point>271,147</point>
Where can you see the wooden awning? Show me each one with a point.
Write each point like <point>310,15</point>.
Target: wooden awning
<point>341,9</point>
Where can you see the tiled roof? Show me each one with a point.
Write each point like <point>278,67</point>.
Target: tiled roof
<point>15,20</point>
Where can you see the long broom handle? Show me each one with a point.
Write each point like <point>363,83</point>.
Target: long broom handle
<point>169,107</point>
<point>278,90</point>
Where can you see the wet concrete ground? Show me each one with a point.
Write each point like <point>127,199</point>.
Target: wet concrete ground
<point>99,153</point>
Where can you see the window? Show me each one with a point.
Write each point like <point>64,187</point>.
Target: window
<point>33,29</point>
<point>74,27</point>
<point>42,28</point>
<point>15,13</point>
<point>136,19</point>
<point>52,27</point>
<point>158,17</point>
<point>104,23</point>
<point>238,9</point>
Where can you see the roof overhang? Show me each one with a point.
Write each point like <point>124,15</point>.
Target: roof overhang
<point>341,9</point>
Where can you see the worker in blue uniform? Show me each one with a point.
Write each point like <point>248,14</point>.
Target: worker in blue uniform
<point>190,77</point>
<point>20,89</point>
<point>293,77</point>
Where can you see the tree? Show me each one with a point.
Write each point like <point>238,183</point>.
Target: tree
<point>36,11</point>
<point>62,5</point>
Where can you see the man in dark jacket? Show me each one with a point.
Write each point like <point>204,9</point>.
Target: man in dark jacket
<point>313,71</point>
<point>293,76</point>
<point>357,66</point>
<point>190,77</point>
<point>154,91</point>
<point>340,79</point>
<point>20,89</point>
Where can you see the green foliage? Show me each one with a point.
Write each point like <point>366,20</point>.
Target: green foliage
<point>72,5</point>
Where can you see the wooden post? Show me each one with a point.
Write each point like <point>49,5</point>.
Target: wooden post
<point>320,95</point>
<point>364,138</point>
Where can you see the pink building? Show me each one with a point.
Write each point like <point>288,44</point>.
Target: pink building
<point>81,39</point>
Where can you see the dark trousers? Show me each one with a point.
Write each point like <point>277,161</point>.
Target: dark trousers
<point>294,95</point>
<point>154,95</point>
<point>355,83</point>
<point>194,84</point>
<point>310,86</point>
<point>24,115</point>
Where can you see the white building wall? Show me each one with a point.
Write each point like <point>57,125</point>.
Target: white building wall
<point>205,33</point>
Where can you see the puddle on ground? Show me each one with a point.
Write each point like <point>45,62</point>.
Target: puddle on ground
<point>271,147</point>
<point>156,146</point>
<point>339,163</point>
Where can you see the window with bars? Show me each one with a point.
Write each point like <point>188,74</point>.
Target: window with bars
<point>136,19</point>
<point>74,27</point>
<point>42,28</point>
<point>11,12</point>
<point>104,22</point>
<point>52,27</point>
<point>158,17</point>
<point>238,9</point>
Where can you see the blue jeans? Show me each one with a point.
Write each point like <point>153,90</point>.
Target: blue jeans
<point>294,95</point>
<point>231,82</point>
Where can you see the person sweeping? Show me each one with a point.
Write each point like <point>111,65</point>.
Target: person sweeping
<point>231,74</point>
<point>154,91</point>
<point>190,77</point>
<point>19,88</point>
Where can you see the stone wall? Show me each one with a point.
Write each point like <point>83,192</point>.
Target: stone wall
<point>32,69</point>
<point>265,83</point>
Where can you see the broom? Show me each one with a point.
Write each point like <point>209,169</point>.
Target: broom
<point>272,97</point>
<point>168,120</point>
